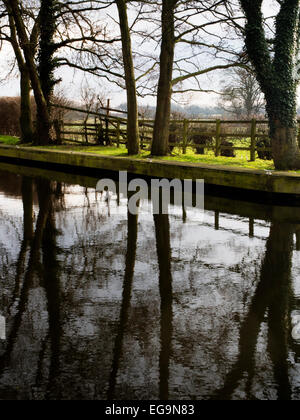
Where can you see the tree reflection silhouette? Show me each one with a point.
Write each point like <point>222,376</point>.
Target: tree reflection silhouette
<point>27,200</point>
<point>51,284</point>
<point>162,230</point>
<point>126,298</point>
<point>44,197</point>
<point>272,297</point>
<point>43,238</point>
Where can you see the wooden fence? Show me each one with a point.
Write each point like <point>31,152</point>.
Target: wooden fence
<point>221,137</point>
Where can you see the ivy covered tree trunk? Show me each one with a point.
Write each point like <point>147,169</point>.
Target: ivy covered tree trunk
<point>47,47</point>
<point>46,61</point>
<point>133,142</point>
<point>160,145</point>
<point>277,75</point>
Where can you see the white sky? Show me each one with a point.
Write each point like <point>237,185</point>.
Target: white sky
<point>72,81</point>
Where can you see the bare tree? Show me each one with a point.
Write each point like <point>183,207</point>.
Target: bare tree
<point>17,22</point>
<point>184,40</point>
<point>8,33</point>
<point>241,95</point>
<point>133,141</point>
<point>164,91</point>
<point>64,34</point>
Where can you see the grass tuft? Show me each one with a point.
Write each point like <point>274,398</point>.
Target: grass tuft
<point>9,140</point>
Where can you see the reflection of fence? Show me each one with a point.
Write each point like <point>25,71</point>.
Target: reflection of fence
<point>220,137</point>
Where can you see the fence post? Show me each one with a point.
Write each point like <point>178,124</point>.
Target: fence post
<point>253,140</point>
<point>86,133</point>
<point>107,140</point>
<point>217,220</point>
<point>58,127</point>
<point>218,138</point>
<point>185,136</point>
<point>118,134</point>
<point>142,133</point>
<point>251,227</point>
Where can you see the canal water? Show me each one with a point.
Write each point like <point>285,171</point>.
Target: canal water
<point>99,304</point>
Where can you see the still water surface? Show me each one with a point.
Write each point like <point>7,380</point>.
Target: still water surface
<point>111,306</point>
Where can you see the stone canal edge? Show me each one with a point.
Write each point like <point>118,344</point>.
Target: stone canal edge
<point>274,182</point>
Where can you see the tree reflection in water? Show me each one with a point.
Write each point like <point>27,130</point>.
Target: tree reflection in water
<point>51,282</point>
<point>44,194</point>
<point>27,199</point>
<point>41,264</point>
<point>162,230</point>
<point>132,235</point>
<point>271,299</point>
<point>43,238</point>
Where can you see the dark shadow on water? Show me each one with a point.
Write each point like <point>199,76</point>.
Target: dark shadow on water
<point>44,195</point>
<point>162,230</point>
<point>271,299</point>
<point>51,283</point>
<point>28,234</point>
<point>43,238</point>
<point>126,298</point>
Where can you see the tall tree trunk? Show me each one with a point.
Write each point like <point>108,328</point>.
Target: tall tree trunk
<point>46,47</point>
<point>25,87</point>
<point>282,103</point>
<point>26,115</point>
<point>285,148</point>
<point>277,76</point>
<point>46,60</point>
<point>44,124</point>
<point>163,107</point>
<point>133,141</point>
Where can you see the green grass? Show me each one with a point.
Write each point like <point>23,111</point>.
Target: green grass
<point>100,150</point>
<point>10,140</point>
<point>190,157</point>
<point>210,159</point>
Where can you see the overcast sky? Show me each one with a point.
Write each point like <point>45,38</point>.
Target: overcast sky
<point>72,81</point>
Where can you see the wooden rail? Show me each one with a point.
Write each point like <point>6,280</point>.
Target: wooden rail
<point>224,137</point>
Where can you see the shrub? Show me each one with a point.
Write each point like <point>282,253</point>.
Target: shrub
<point>10,116</point>
<point>10,113</point>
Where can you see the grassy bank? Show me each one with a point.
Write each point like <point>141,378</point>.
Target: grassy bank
<point>10,140</point>
<point>256,177</point>
<point>190,157</point>
<point>177,156</point>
